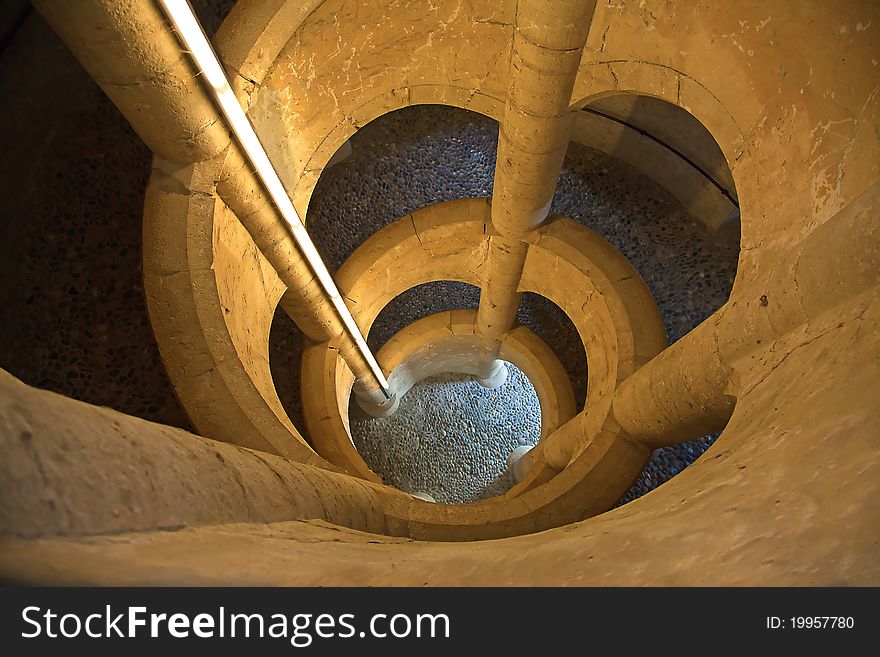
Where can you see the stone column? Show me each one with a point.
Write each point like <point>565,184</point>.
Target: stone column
<point>690,389</point>
<point>131,52</point>
<point>682,393</point>
<point>549,38</point>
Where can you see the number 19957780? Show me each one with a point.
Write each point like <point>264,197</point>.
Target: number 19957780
<point>811,623</point>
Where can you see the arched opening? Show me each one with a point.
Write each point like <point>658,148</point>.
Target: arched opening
<point>450,437</point>
<point>400,162</point>
<point>682,234</point>
<point>421,155</point>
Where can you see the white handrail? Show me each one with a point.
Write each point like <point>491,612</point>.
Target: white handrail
<point>193,37</point>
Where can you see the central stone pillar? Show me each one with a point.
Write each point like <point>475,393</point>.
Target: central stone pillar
<point>549,38</point>
<point>137,60</point>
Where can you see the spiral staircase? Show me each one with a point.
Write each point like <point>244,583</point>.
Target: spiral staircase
<point>760,120</point>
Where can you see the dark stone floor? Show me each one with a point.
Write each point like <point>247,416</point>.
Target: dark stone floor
<point>74,317</point>
<point>451,437</point>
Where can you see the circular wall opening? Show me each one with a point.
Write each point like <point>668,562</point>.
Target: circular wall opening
<point>286,345</point>
<point>550,323</point>
<point>421,301</point>
<point>422,155</point>
<point>399,163</point>
<point>450,437</point>
<point>677,222</point>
